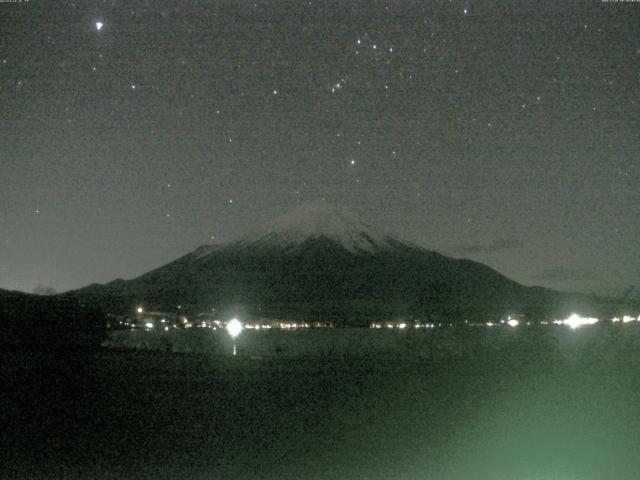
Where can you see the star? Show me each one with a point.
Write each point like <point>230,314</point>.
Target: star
<point>99,26</point>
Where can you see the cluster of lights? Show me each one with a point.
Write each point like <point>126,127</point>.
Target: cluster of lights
<point>293,325</point>
<point>257,326</point>
<point>211,324</point>
<point>149,320</point>
<point>218,324</point>
<point>234,326</point>
<point>574,321</point>
<point>400,325</point>
<point>626,319</point>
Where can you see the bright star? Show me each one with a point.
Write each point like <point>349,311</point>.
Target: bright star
<point>99,25</point>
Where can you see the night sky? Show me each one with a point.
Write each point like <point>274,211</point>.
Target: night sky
<point>506,132</point>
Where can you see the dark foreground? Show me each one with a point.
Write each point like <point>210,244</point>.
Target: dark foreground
<point>512,414</point>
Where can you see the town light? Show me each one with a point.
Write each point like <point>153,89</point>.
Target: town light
<point>234,327</point>
<point>574,321</point>
<point>140,310</point>
<point>513,323</point>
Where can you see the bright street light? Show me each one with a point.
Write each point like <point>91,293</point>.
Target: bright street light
<point>234,327</point>
<point>574,321</point>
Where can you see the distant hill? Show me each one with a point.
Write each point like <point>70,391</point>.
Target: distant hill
<point>320,262</point>
<point>48,323</point>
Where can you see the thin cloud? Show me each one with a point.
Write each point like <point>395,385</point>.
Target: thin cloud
<point>563,274</point>
<point>493,247</point>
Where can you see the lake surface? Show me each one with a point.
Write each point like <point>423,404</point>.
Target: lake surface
<point>535,408</point>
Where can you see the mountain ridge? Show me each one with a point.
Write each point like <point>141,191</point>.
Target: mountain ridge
<point>316,219</point>
<point>317,261</point>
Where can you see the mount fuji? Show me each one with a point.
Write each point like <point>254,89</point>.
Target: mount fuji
<point>319,219</point>
<point>320,262</point>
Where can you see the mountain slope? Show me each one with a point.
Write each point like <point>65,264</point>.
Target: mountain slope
<point>320,262</point>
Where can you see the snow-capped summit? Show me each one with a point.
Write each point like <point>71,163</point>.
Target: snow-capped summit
<point>318,219</point>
